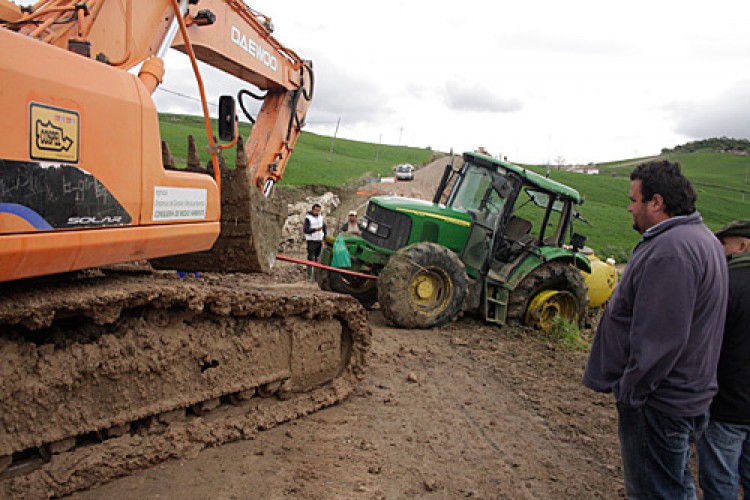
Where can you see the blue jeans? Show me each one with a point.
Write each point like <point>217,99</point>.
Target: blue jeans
<point>724,461</point>
<point>655,449</point>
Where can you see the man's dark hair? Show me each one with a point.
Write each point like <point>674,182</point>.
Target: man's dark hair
<point>316,205</point>
<point>666,179</point>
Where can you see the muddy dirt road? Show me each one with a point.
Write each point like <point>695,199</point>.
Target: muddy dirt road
<point>467,410</point>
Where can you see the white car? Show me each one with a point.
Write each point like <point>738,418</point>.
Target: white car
<point>404,172</point>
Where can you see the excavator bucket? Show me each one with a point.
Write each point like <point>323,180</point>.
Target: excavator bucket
<point>251,225</point>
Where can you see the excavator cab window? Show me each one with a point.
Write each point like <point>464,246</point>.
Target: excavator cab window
<point>227,117</point>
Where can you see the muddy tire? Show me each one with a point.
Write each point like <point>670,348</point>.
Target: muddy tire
<point>422,286</point>
<point>553,276</point>
<point>363,289</point>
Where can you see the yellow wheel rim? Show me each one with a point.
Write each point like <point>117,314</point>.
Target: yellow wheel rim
<point>548,304</point>
<point>430,290</point>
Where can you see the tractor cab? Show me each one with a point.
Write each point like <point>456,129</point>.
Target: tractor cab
<point>512,210</point>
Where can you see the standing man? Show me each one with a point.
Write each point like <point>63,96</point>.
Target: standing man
<point>724,448</point>
<point>351,226</point>
<point>314,228</point>
<point>657,345</point>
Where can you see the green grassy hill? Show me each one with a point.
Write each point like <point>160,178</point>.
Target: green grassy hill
<point>312,161</point>
<point>720,179</point>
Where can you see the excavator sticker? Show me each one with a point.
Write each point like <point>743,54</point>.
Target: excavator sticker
<point>53,133</point>
<point>50,196</point>
<point>174,203</point>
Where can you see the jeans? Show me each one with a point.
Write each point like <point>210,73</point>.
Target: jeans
<point>724,461</point>
<point>655,449</point>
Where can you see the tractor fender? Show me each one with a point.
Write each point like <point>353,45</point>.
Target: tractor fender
<point>546,254</point>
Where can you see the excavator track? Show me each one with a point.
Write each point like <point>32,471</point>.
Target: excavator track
<point>104,374</point>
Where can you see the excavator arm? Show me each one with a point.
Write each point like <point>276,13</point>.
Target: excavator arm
<point>233,38</point>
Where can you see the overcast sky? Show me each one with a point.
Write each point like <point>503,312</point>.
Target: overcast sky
<point>534,80</point>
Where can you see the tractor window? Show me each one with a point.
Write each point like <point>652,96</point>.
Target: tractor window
<point>534,210</point>
<point>542,200</point>
<point>477,193</point>
<point>469,193</point>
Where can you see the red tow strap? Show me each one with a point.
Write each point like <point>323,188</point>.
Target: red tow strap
<point>328,268</point>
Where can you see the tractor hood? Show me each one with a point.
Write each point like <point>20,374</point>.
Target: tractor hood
<point>421,208</point>
<point>393,222</point>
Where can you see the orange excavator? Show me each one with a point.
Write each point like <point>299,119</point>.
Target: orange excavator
<point>106,368</point>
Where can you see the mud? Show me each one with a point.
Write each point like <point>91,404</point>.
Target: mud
<point>468,410</point>
<point>103,375</point>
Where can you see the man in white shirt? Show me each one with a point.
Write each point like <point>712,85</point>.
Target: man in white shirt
<point>314,229</point>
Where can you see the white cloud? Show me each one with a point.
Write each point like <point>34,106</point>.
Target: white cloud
<point>725,115</point>
<point>586,80</point>
<point>474,96</point>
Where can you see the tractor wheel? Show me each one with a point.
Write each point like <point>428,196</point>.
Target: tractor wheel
<point>363,289</point>
<point>552,289</point>
<point>422,286</point>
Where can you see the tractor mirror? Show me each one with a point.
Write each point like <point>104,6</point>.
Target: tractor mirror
<point>577,241</point>
<point>227,117</point>
<point>502,186</point>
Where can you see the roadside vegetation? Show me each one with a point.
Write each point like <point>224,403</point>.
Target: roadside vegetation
<point>721,178</point>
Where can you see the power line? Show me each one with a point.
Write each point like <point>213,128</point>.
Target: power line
<point>180,94</point>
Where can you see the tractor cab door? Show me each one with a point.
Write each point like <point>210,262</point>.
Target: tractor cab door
<point>485,223</point>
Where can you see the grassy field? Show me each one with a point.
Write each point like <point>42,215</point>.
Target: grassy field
<point>313,162</point>
<point>720,179</point>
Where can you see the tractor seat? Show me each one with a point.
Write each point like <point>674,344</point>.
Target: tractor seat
<point>515,239</point>
<point>518,229</point>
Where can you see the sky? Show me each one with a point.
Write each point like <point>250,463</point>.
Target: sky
<point>538,81</point>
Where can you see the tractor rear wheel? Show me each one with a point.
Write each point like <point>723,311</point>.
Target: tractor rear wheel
<point>552,289</point>
<point>422,286</point>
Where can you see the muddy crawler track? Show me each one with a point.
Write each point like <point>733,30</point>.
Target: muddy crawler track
<point>105,375</point>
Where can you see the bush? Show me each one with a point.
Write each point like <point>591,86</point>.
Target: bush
<point>566,333</point>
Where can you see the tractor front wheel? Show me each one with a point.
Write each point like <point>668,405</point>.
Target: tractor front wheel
<point>552,289</point>
<point>422,286</point>
<point>363,289</point>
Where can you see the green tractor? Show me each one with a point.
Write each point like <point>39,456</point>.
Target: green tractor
<point>490,242</point>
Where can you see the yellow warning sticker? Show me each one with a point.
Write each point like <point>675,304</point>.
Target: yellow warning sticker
<point>53,133</point>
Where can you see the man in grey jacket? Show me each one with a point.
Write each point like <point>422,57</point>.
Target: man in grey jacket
<point>657,345</point>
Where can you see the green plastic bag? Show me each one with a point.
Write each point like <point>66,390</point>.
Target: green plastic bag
<point>340,255</point>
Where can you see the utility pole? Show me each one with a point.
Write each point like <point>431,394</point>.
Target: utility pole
<point>377,150</point>
<point>333,139</point>
<point>400,132</point>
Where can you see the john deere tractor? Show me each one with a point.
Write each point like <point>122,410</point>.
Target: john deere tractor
<point>492,241</point>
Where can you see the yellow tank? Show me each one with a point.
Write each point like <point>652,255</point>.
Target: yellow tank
<point>602,280</point>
